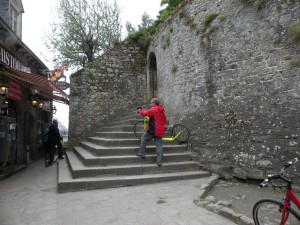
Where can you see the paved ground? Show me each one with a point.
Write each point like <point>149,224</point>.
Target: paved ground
<point>239,198</point>
<point>30,198</point>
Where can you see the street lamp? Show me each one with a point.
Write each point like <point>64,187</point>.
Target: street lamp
<point>3,87</point>
<point>34,101</point>
<point>3,90</point>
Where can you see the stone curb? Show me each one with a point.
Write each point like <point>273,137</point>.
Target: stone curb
<point>201,200</point>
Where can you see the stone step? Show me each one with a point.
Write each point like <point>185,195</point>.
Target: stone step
<point>123,134</point>
<point>90,159</point>
<point>79,170</point>
<point>118,135</point>
<point>114,142</point>
<point>125,122</point>
<point>124,128</point>
<point>106,142</point>
<point>128,150</point>
<point>66,183</point>
<point>130,115</point>
<point>108,159</point>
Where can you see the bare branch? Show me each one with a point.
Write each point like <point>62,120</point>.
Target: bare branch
<point>86,28</point>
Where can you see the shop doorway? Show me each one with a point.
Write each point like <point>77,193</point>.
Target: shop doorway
<point>8,136</point>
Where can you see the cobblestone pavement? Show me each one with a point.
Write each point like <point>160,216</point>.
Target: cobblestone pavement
<point>240,196</point>
<point>30,198</point>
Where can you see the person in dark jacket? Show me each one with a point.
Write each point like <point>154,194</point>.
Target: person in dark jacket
<point>54,139</point>
<point>155,129</point>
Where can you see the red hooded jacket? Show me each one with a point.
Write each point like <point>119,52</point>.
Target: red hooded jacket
<point>157,120</point>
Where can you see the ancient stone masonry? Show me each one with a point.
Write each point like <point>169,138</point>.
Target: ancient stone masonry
<point>114,83</point>
<point>224,70</point>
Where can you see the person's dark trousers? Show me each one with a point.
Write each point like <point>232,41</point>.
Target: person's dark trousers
<point>52,150</point>
<point>60,150</point>
<point>46,148</point>
<point>158,142</point>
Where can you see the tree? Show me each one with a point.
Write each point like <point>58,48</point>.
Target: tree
<point>170,3</point>
<point>146,21</point>
<point>129,28</point>
<point>85,29</point>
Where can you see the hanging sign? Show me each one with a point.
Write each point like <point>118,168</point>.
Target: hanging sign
<point>62,85</point>
<point>58,71</point>
<point>14,91</point>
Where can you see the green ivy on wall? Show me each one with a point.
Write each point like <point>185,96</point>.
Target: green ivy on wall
<point>174,68</point>
<point>206,28</point>
<point>143,36</point>
<point>167,43</point>
<point>294,32</point>
<point>258,4</point>
<point>295,63</point>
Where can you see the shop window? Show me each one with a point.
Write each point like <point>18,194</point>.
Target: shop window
<point>14,20</point>
<point>8,109</point>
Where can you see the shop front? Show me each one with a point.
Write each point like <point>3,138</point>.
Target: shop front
<point>26,94</point>
<point>26,108</point>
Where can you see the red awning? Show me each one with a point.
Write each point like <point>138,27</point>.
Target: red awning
<point>46,88</point>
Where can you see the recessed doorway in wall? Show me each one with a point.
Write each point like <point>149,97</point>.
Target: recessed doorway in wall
<point>152,82</point>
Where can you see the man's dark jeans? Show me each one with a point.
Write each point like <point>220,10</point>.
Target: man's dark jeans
<point>52,150</point>
<point>158,142</point>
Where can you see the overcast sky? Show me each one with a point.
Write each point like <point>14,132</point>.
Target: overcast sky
<point>38,16</point>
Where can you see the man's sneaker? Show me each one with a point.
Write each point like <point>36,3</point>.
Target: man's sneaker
<point>140,155</point>
<point>159,164</point>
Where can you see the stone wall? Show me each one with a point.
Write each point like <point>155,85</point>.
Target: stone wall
<point>111,85</point>
<point>224,71</point>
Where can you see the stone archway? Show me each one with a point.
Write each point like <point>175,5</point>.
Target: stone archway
<point>152,76</point>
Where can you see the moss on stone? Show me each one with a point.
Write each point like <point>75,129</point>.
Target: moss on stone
<point>295,63</point>
<point>294,31</point>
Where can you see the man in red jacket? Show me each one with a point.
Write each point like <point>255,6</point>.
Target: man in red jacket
<point>155,130</point>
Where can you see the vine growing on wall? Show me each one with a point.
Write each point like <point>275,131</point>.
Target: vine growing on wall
<point>206,25</point>
<point>207,28</point>
<point>143,36</point>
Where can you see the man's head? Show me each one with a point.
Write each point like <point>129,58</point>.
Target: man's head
<point>55,122</point>
<point>155,101</point>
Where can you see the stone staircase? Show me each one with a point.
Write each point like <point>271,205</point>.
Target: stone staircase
<point>108,160</point>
